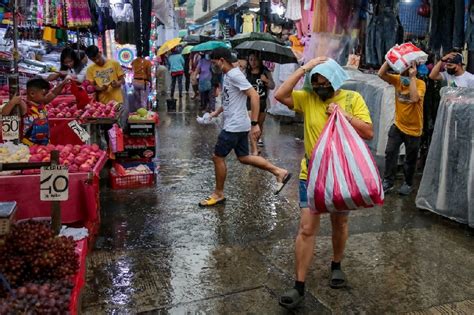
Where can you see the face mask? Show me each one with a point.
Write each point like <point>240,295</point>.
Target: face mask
<point>405,81</point>
<point>324,92</point>
<point>451,71</point>
<point>207,57</point>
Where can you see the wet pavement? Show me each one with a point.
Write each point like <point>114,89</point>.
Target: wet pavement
<point>159,253</point>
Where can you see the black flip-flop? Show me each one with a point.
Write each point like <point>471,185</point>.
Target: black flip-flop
<point>282,185</point>
<point>291,299</point>
<point>338,279</point>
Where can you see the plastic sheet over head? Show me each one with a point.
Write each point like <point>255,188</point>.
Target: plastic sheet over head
<point>447,185</point>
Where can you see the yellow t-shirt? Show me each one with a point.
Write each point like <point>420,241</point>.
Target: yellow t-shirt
<point>408,115</point>
<point>315,117</point>
<point>110,71</point>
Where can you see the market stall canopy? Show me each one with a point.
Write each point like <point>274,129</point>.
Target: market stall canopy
<point>267,51</point>
<point>241,38</point>
<point>211,45</point>
<point>187,50</point>
<point>196,39</point>
<point>169,45</point>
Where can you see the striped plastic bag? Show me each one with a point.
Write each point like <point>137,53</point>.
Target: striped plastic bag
<point>342,172</point>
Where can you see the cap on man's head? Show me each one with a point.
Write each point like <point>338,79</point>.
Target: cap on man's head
<point>457,59</point>
<point>222,52</point>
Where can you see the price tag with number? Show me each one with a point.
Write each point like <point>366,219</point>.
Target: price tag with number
<point>54,183</point>
<point>79,131</point>
<point>10,127</point>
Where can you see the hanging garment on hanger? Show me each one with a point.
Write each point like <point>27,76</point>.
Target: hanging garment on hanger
<point>248,23</point>
<point>142,14</point>
<point>78,13</point>
<point>293,10</point>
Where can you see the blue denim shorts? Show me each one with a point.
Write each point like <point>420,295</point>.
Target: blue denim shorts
<point>303,195</point>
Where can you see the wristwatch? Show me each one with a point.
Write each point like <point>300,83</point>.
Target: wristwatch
<point>254,123</point>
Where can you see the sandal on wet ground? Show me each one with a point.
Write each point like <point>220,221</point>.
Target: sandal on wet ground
<point>211,201</point>
<point>281,185</point>
<point>338,279</point>
<point>291,299</point>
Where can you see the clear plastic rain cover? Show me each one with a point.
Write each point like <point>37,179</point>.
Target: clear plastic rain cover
<point>447,185</point>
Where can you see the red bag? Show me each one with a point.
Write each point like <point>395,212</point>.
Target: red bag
<point>82,98</point>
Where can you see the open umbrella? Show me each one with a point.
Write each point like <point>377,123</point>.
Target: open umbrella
<point>267,51</point>
<point>187,50</point>
<point>196,39</point>
<point>240,38</point>
<point>211,45</point>
<point>169,45</point>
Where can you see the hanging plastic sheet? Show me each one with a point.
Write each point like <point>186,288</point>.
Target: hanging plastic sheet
<point>447,185</point>
<point>380,99</point>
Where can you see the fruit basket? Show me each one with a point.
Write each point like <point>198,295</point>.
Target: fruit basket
<point>127,180</point>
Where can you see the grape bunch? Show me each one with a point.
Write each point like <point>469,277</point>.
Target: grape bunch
<point>49,298</point>
<point>33,254</point>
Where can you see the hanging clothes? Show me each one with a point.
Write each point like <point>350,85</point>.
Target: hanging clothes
<point>142,14</point>
<point>248,23</point>
<point>78,13</point>
<point>447,25</point>
<point>293,10</point>
<point>125,26</point>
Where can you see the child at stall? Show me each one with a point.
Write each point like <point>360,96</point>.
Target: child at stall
<point>34,128</point>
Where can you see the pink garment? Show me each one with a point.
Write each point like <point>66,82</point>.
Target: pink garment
<point>78,13</point>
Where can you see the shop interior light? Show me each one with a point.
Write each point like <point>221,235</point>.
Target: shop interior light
<point>254,9</point>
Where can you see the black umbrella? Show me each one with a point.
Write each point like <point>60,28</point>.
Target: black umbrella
<point>241,38</point>
<point>196,39</point>
<point>267,51</point>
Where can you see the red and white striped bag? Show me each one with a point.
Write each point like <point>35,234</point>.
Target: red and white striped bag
<point>342,172</point>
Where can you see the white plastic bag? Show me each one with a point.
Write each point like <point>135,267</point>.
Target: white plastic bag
<point>401,56</point>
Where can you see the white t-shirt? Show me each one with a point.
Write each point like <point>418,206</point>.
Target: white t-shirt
<point>465,80</point>
<point>234,101</point>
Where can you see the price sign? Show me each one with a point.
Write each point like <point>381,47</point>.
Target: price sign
<point>54,183</point>
<point>10,127</point>
<point>79,131</point>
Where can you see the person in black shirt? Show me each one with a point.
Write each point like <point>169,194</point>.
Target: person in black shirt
<point>262,81</point>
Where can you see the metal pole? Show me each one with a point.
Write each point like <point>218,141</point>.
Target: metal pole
<point>55,205</point>
<point>16,55</point>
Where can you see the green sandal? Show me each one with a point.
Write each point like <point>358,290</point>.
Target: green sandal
<point>338,279</point>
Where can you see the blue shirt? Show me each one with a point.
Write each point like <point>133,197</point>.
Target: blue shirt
<point>176,62</point>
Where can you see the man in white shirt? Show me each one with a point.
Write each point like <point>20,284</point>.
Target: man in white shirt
<point>455,75</point>
<point>237,124</point>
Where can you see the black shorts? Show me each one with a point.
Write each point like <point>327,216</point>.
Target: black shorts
<point>228,141</point>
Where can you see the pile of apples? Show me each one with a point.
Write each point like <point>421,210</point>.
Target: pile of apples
<point>99,110</point>
<point>64,110</point>
<point>78,158</point>
<point>4,91</point>
<point>138,142</point>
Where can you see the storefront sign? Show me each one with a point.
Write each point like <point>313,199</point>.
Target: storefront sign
<point>54,183</point>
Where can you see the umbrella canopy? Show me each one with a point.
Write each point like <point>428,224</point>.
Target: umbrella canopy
<point>196,39</point>
<point>211,45</point>
<point>240,38</point>
<point>169,45</point>
<point>267,51</point>
<point>182,33</point>
<point>187,50</point>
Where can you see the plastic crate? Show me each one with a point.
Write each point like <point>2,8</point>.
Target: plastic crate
<point>7,216</point>
<point>132,181</point>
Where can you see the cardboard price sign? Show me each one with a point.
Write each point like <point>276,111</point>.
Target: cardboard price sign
<point>10,127</point>
<point>54,183</point>
<point>79,131</point>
